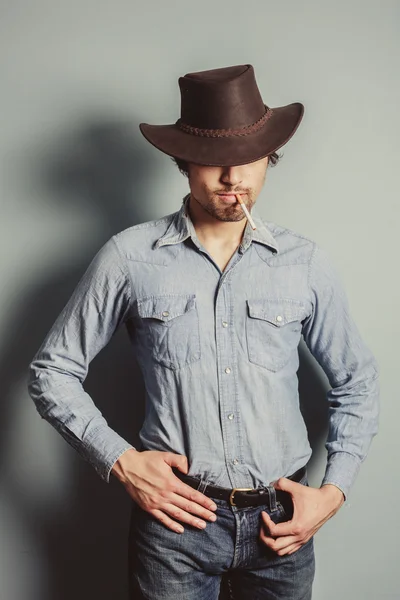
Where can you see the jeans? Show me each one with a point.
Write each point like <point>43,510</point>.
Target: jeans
<point>225,561</point>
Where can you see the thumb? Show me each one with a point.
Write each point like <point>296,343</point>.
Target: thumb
<point>177,460</point>
<point>285,484</point>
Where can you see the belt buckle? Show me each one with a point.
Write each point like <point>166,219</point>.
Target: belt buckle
<point>231,502</point>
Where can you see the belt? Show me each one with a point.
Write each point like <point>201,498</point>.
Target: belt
<point>240,497</point>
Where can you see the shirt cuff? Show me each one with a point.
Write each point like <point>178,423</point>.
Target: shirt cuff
<point>342,470</point>
<point>103,449</point>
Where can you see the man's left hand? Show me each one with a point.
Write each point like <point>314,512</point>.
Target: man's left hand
<point>312,508</point>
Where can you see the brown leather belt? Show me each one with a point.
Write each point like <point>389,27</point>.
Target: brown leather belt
<point>240,497</point>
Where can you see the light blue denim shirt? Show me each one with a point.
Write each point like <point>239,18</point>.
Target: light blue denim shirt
<point>218,352</point>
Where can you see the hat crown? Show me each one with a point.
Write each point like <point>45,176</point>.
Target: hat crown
<point>225,98</point>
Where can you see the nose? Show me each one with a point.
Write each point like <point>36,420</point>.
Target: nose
<point>231,175</point>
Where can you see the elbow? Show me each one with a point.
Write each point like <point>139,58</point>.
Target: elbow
<point>34,381</point>
<point>363,377</point>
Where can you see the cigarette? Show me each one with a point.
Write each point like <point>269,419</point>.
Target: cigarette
<point>246,212</point>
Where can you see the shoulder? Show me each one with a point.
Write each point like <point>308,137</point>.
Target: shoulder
<point>293,244</point>
<point>286,234</point>
<point>139,239</point>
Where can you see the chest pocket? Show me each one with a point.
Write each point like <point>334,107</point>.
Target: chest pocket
<point>168,329</point>
<point>273,330</point>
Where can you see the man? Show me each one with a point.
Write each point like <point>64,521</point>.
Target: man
<point>215,310</point>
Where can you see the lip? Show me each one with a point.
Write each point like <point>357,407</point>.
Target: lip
<point>229,197</point>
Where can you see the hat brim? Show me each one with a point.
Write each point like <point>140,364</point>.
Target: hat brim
<point>227,151</point>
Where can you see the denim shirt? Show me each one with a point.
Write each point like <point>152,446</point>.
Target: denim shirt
<point>218,351</point>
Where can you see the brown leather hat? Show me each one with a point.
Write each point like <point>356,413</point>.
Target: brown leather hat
<point>224,121</point>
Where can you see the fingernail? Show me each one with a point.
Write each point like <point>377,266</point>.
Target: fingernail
<point>179,529</point>
<point>213,507</point>
<point>201,524</point>
<point>213,517</point>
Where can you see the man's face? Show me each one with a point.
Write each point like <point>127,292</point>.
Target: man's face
<point>209,184</point>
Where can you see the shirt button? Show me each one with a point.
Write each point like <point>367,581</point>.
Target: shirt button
<point>165,313</point>
<point>224,324</point>
<point>231,416</point>
<point>279,318</point>
<point>228,370</point>
<point>235,461</point>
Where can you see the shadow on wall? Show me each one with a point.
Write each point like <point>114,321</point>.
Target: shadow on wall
<point>84,540</point>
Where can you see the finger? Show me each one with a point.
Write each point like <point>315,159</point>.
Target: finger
<point>289,549</point>
<point>182,489</point>
<point>283,543</point>
<point>192,507</point>
<point>165,520</point>
<point>176,460</point>
<point>294,548</point>
<point>278,529</point>
<point>181,515</point>
<point>277,544</point>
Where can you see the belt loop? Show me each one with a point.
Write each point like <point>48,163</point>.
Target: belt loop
<point>272,497</point>
<point>202,485</point>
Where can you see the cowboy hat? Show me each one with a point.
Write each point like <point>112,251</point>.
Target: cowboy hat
<point>224,121</point>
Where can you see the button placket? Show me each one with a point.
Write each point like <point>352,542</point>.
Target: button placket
<point>226,356</point>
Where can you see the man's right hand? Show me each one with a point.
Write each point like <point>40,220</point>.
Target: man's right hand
<point>149,479</point>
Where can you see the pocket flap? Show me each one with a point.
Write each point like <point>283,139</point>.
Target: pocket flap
<point>278,312</point>
<point>166,307</point>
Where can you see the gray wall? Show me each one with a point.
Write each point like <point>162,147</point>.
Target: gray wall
<point>77,78</point>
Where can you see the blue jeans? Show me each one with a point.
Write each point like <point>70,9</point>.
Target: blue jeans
<point>225,561</point>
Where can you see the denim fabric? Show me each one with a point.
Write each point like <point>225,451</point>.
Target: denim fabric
<point>226,560</point>
<point>218,352</point>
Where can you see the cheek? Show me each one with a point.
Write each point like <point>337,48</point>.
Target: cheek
<point>202,184</point>
<point>198,188</point>
<point>259,181</point>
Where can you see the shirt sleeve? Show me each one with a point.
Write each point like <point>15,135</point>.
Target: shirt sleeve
<point>352,370</point>
<point>99,304</point>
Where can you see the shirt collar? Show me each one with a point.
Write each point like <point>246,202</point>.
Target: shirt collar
<point>181,228</point>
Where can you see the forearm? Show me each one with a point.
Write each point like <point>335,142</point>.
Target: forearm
<point>119,469</point>
<point>353,422</point>
<point>334,494</point>
<point>61,400</point>
<point>333,338</point>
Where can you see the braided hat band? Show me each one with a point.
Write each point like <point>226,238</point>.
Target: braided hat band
<point>247,130</point>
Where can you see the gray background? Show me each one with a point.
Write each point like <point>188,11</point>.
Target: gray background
<point>77,77</point>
